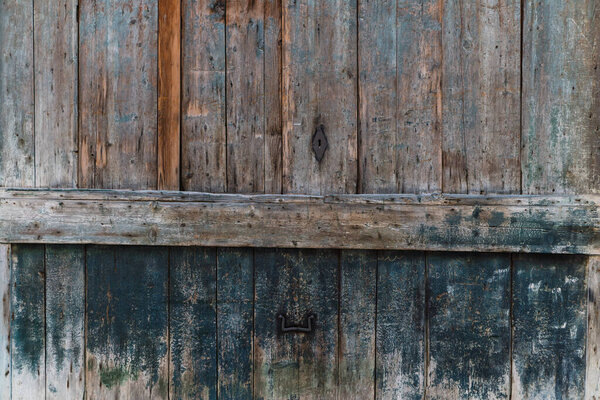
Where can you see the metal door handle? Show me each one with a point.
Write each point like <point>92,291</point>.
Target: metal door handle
<point>300,329</point>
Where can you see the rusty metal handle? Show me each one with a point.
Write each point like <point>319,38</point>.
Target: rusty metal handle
<point>296,329</point>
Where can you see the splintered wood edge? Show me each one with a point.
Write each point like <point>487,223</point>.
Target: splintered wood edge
<point>536,224</point>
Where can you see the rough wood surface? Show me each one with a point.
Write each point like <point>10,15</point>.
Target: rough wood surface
<point>401,340</point>
<point>5,283</point>
<point>118,94</point>
<point>17,144</point>
<point>546,224</point>
<point>592,379</point>
<point>469,326</point>
<point>549,327</point>
<point>56,86</point>
<point>169,93</point>
<point>319,75</point>
<point>193,318</point>
<point>203,135</point>
<point>65,316</point>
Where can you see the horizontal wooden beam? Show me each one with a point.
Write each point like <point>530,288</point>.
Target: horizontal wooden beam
<point>542,224</point>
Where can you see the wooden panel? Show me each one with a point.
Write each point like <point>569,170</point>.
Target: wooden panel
<point>319,87</point>
<point>56,93</point>
<point>27,332</point>
<point>235,322</point>
<point>203,135</point>
<point>5,283</point>
<point>118,94</point>
<point>400,326</point>
<point>481,91</point>
<point>469,326</point>
<point>126,347</point>
<point>592,387</point>
<point>65,310</point>
<point>296,283</point>
<point>245,35</point>
<point>169,93</point>
<point>549,313</point>
<point>547,224</point>
<point>561,97</point>
<point>193,330</point>
<point>357,324</point>
<point>17,145</point>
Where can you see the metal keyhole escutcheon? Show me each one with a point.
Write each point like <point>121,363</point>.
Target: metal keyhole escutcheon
<point>319,142</point>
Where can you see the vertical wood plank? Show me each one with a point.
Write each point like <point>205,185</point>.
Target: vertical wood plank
<point>27,340</point>
<point>118,94</point>
<point>296,283</point>
<point>193,318</point>
<point>5,283</point>
<point>319,87</point>
<point>245,100</point>
<point>357,324</point>
<point>592,378</point>
<point>127,322</point>
<point>65,316</point>
<point>468,305</point>
<point>549,325</point>
<point>561,97</point>
<point>481,91</point>
<point>235,322</point>
<point>203,136</point>
<point>400,366</point>
<point>17,144</point>
<point>169,93</point>
<point>55,93</point>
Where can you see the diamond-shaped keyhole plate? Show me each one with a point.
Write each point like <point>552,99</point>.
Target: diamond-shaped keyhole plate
<point>319,143</point>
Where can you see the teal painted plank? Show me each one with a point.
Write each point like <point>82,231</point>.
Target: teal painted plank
<point>193,319</point>
<point>357,324</point>
<point>296,283</point>
<point>27,325</point>
<point>65,316</point>
<point>235,322</point>
<point>469,326</point>
<point>549,312</point>
<point>400,325</point>
<point>126,353</point>
<point>5,372</point>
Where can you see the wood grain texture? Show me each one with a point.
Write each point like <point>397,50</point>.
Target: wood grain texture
<point>549,327</point>
<point>193,329</point>
<point>296,283</point>
<point>481,92</point>
<point>56,85</point>
<point>319,79</point>
<point>203,135</point>
<point>118,94</point>
<point>65,317</point>
<point>561,97</point>
<point>469,326</point>
<point>27,332</point>
<point>5,290</point>
<point>235,322</point>
<point>358,287</point>
<point>592,379</point>
<point>126,323</point>
<point>17,144</point>
<point>169,94</point>
<point>401,342</point>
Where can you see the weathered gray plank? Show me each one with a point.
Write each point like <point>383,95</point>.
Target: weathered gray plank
<point>296,283</point>
<point>5,283</point>
<point>319,78</point>
<point>203,137</point>
<point>55,43</point>
<point>400,372</point>
<point>592,379</point>
<point>65,315</point>
<point>481,92</point>
<point>475,223</point>
<point>468,307</point>
<point>127,323</point>
<point>235,322</point>
<point>17,144</point>
<point>118,68</point>
<point>549,327</point>
<point>358,275</point>
<point>27,331</point>
<point>561,97</point>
